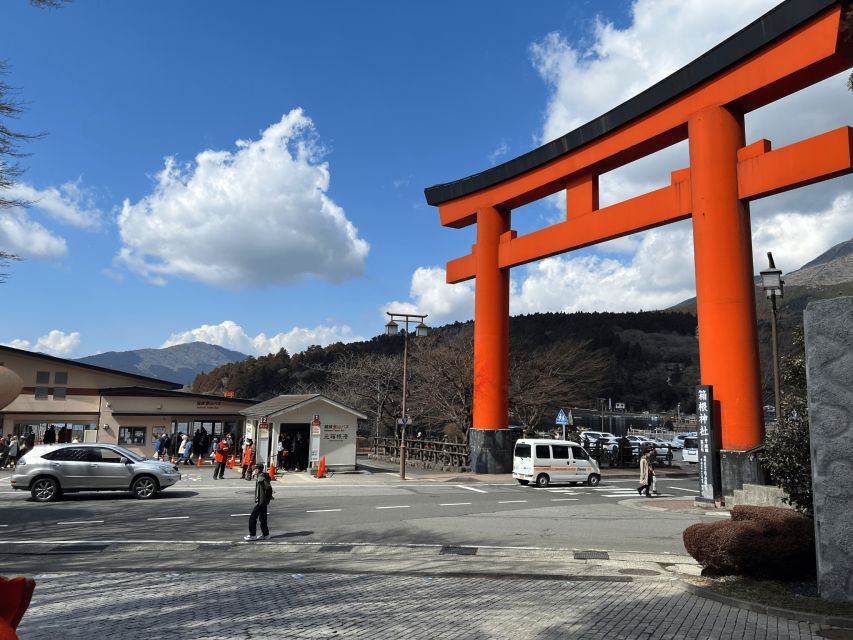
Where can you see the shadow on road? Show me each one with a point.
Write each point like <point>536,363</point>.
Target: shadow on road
<point>109,496</point>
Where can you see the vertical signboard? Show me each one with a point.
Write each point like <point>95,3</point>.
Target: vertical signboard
<point>315,439</point>
<point>709,463</point>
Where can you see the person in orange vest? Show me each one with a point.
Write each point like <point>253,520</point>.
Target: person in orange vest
<point>221,457</point>
<point>248,460</point>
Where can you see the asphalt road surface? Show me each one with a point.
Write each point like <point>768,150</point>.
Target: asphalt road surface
<point>611,516</point>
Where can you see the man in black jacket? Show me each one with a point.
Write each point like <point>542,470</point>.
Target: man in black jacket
<point>263,495</point>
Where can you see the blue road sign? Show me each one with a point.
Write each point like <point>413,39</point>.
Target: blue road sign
<point>562,418</point>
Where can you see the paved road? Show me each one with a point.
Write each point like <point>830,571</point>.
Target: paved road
<point>611,516</point>
<point>368,558</point>
<point>294,605</point>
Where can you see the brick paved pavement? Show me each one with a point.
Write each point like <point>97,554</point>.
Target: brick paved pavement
<point>272,605</point>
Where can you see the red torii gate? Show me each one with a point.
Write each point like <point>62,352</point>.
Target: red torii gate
<point>795,45</point>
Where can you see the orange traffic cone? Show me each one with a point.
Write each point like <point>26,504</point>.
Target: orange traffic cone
<point>200,459</point>
<point>15,595</point>
<point>173,457</point>
<point>321,470</point>
<point>272,471</point>
<point>232,461</point>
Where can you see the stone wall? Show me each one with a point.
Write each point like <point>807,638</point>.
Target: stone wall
<point>829,370</point>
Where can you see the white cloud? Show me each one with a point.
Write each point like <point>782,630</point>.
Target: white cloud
<point>56,343</point>
<point>27,238</point>
<point>664,35</point>
<point>498,153</point>
<point>69,203</point>
<point>655,269</point>
<point>431,294</point>
<point>231,335</point>
<point>796,238</point>
<point>254,216</point>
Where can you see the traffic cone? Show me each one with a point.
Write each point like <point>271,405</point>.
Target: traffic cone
<point>321,470</point>
<point>15,595</point>
<point>200,459</point>
<point>173,457</point>
<point>272,471</point>
<point>232,461</point>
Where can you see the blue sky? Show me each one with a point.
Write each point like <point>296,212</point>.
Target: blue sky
<point>153,225</point>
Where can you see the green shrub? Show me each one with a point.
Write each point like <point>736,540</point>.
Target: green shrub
<point>787,454</point>
<point>764,542</point>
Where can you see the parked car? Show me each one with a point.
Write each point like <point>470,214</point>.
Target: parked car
<point>691,450</point>
<point>642,442</point>
<point>610,444</point>
<point>677,442</point>
<point>48,471</point>
<point>592,436</point>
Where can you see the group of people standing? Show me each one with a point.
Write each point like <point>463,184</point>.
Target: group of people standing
<point>11,449</point>
<point>292,452</point>
<point>186,449</point>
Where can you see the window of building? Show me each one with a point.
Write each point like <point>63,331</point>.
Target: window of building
<point>59,393</point>
<point>132,435</point>
<point>42,377</point>
<point>41,393</point>
<point>60,377</point>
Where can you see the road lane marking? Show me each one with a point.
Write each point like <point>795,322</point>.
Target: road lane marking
<point>237,515</point>
<point>510,501</point>
<point>462,486</point>
<point>452,504</point>
<point>398,506</point>
<point>82,522</point>
<point>681,489</point>
<point>172,518</point>
<point>322,510</point>
<point>562,499</point>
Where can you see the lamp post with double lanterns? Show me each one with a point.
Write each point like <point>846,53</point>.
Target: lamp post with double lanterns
<point>421,330</point>
<point>772,283</point>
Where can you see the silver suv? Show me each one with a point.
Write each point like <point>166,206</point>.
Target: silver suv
<point>48,471</point>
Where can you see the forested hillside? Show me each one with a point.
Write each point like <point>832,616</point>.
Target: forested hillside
<point>649,360</point>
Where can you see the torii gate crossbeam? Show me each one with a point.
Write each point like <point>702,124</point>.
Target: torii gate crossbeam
<point>795,45</point>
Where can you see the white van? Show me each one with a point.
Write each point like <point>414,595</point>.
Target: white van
<point>690,453</point>
<point>545,461</point>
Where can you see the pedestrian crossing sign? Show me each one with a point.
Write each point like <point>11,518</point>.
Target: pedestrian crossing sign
<point>562,418</point>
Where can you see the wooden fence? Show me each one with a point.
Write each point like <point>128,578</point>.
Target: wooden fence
<point>426,454</point>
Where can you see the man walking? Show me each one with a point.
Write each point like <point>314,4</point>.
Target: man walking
<point>220,457</point>
<point>263,495</point>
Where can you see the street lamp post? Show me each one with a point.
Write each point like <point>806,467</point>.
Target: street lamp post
<point>772,283</point>
<point>421,330</point>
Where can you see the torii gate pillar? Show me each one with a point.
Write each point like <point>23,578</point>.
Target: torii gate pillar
<point>489,439</point>
<point>725,290</point>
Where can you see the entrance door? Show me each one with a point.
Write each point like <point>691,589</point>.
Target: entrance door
<point>294,440</point>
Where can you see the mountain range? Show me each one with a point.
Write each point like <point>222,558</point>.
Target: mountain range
<point>180,363</point>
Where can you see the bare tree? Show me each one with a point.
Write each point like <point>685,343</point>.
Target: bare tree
<point>10,141</point>
<point>560,374</point>
<point>368,382</point>
<point>442,388</point>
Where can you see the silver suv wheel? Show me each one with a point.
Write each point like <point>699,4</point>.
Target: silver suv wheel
<point>144,487</point>
<point>45,490</point>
